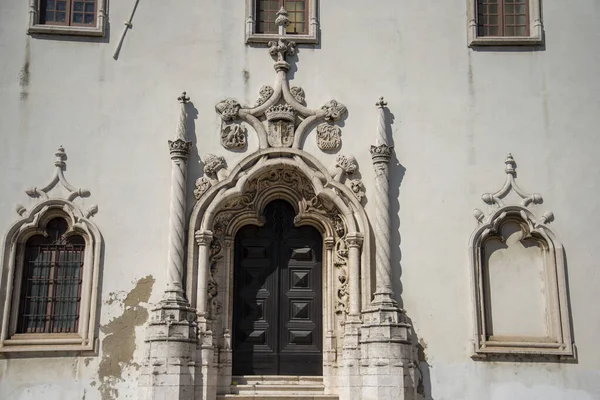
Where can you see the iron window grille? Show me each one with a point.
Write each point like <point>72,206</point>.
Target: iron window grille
<point>51,283</point>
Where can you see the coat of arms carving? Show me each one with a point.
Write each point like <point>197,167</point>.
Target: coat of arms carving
<point>281,122</point>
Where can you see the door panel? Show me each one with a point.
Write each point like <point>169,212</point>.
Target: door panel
<point>277,297</point>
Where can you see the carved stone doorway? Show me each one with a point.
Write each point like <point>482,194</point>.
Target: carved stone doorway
<point>277,297</point>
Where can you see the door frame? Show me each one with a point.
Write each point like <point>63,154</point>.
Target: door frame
<point>320,200</point>
<point>318,263</point>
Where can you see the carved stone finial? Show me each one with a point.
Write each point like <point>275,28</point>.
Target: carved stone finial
<point>333,111</point>
<point>511,185</point>
<point>228,109</point>
<point>282,18</point>
<point>347,163</point>
<point>213,164</point>
<point>280,49</point>
<point>183,98</point>
<point>181,129</point>
<point>511,166</point>
<point>61,156</point>
<point>381,103</point>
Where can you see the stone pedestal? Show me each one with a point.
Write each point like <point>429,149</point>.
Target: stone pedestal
<point>169,369</point>
<point>388,358</point>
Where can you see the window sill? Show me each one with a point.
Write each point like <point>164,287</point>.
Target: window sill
<point>268,37</point>
<point>506,41</point>
<point>529,346</point>
<point>21,343</point>
<point>66,30</point>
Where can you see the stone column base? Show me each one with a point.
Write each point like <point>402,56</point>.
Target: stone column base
<point>389,366</point>
<point>168,370</point>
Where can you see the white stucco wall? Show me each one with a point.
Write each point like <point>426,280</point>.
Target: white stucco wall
<point>457,113</point>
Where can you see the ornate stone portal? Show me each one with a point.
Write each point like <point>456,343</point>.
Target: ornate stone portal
<point>381,364</point>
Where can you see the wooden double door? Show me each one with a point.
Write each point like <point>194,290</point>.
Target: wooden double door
<point>277,297</point>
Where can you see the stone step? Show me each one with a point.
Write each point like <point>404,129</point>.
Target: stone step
<point>277,380</point>
<point>260,389</point>
<point>277,387</point>
<point>276,396</point>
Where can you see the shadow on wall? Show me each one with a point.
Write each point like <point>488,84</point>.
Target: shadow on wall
<point>396,174</point>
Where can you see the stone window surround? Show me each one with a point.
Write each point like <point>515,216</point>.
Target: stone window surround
<point>313,26</point>
<point>558,342</point>
<point>36,28</point>
<point>84,339</point>
<point>536,30</point>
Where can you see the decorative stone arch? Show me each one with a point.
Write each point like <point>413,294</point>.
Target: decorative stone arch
<point>33,222</point>
<point>319,199</point>
<point>532,233</point>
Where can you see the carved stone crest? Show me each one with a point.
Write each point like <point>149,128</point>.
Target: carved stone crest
<point>328,137</point>
<point>233,136</point>
<point>281,120</point>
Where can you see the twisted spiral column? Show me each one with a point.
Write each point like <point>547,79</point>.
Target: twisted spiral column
<point>381,153</point>
<point>179,149</point>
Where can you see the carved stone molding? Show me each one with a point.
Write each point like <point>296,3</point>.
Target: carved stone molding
<point>279,117</point>
<point>57,199</point>
<point>510,225</point>
<point>58,178</point>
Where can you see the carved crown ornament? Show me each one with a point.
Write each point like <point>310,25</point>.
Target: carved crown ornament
<point>279,116</point>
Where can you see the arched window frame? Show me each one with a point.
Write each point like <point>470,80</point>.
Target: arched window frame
<point>559,342</point>
<point>33,222</point>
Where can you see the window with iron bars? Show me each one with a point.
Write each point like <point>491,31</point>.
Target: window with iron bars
<point>50,293</point>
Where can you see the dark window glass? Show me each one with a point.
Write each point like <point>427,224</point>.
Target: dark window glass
<point>51,283</point>
<point>68,12</point>
<point>503,17</point>
<point>266,14</point>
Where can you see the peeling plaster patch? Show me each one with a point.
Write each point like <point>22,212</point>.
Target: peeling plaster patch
<point>119,344</point>
<point>87,361</point>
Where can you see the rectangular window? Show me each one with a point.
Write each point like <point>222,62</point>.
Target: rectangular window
<point>505,22</point>
<point>503,17</point>
<point>67,17</point>
<point>51,289</point>
<point>68,12</point>
<point>267,13</point>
